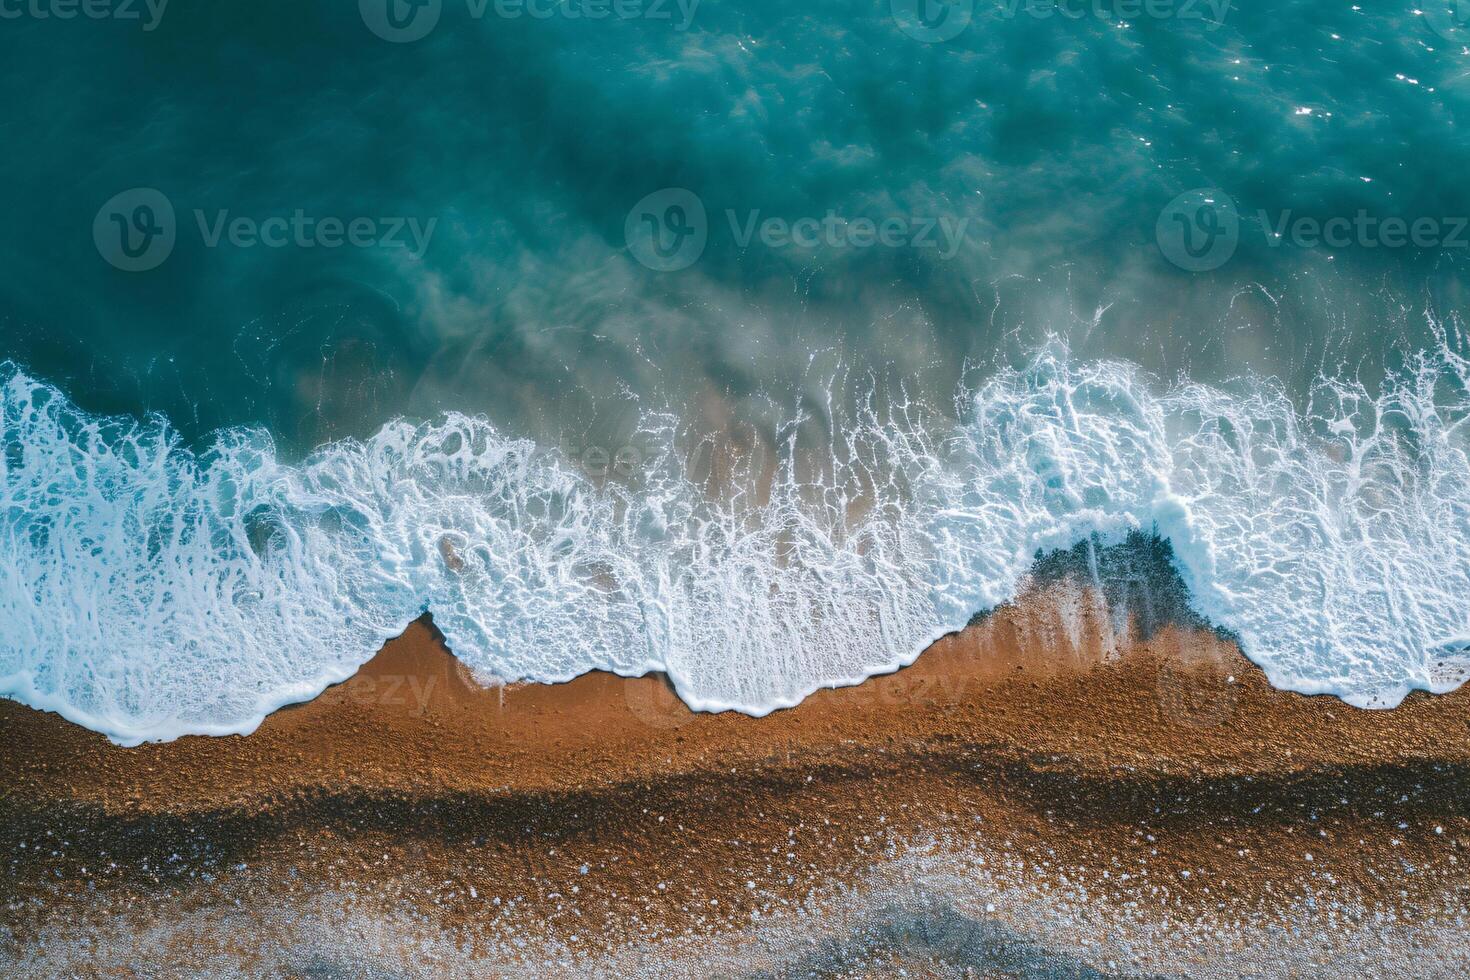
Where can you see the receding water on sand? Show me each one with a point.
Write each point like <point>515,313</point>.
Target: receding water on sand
<point>153,591</point>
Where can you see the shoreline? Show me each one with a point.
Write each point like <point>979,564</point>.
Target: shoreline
<point>1153,768</point>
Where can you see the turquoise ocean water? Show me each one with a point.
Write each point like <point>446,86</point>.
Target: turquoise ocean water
<point>759,344</point>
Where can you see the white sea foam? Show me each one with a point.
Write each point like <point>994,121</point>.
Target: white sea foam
<point>147,591</point>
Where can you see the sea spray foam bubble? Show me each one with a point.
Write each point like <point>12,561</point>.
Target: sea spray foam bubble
<point>148,590</point>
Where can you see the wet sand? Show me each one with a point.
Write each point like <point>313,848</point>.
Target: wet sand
<point>1045,793</point>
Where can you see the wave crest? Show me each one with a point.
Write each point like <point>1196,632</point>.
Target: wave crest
<point>149,591</point>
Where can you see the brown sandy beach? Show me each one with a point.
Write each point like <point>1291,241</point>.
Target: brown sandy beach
<point>1033,797</point>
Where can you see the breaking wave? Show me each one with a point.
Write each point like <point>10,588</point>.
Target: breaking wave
<point>149,590</point>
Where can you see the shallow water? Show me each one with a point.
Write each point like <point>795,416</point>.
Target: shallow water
<point>774,341</point>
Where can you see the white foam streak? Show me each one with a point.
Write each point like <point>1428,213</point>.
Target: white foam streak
<point>147,592</point>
